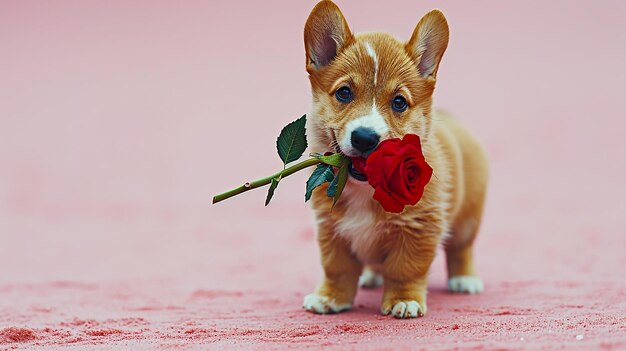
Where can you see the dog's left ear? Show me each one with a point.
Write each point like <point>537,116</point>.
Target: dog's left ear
<point>428,43</point>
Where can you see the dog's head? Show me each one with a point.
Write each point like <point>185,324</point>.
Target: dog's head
<point>369,87</point>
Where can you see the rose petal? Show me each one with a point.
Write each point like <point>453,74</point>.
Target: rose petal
<point>412,140</point>
<point>387,201</point>
<point>373,169</point>
<point>397,185</point>
<point>398,171</point>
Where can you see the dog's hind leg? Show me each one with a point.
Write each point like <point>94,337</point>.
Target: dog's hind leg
<point>462,277</point>
<point>370,278</point>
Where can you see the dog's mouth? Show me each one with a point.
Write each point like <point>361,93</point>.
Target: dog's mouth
<point>357,169</point>
<point>357,174</point>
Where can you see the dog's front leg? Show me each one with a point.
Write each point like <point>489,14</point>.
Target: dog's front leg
<point>405,272</point>
<point>341,274</point>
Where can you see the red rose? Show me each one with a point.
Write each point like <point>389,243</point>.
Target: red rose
<point>398,172</point>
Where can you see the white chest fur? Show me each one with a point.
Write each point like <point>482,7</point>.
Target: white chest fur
<point>359,226</point>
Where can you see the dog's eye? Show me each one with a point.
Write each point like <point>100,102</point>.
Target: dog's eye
<point>399,104</point>
<point>344,94</point>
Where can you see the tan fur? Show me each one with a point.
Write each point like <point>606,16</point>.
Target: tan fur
<point>403,245</point>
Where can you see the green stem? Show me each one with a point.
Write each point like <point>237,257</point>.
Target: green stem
<point>265,181</point>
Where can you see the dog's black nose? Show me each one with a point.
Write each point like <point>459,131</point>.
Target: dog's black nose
<point>364,139</point>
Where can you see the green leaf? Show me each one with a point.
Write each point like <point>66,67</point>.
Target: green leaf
<point>336,186</point>
<point>334,159</point>
<point>322,174</point>
<point>270,191</point>
<point>291,142</point>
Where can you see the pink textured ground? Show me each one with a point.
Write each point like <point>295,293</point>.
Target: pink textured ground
<point>242,290</point>
<point>118,122</point>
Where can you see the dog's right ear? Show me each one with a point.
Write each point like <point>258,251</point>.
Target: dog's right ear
<point>326,33</point>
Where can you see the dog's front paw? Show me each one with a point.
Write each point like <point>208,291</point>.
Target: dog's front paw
<point>404,309</point>
<point>465,284</point>
<point>323,305</point>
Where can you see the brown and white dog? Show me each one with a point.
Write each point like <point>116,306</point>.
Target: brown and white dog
<point>367,88</point>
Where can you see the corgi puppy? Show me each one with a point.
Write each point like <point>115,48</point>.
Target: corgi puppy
<point>371,87</point>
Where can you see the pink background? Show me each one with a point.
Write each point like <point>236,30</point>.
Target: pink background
<point>119,121</point>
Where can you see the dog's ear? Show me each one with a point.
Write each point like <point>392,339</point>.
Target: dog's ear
<point>326,33</point>
<point>428,43</point>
